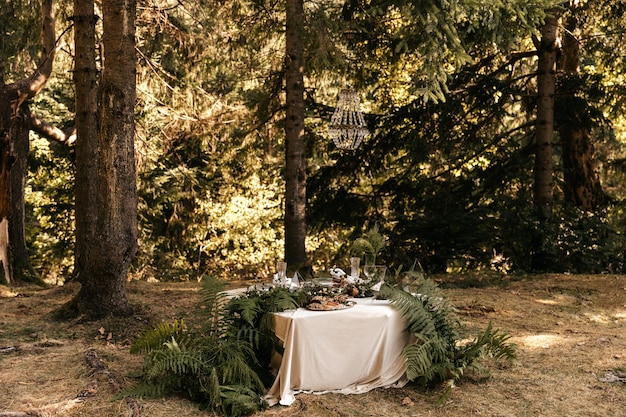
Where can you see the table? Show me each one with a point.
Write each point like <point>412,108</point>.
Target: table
<point>348,351</point>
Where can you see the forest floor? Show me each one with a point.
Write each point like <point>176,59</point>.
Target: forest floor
<point>570,331</point>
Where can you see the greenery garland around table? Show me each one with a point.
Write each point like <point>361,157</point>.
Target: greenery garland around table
<point>224,366</point>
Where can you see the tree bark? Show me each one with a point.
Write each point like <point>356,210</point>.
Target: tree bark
<point>295,173</point>
<point>14,126</point>
<point>86,82</point>
<point>20,146</point>
<point>543,169</point>
<point>582,182</point>
<point>546,88</point>
<point>103,286</point>
<point>6,161</point>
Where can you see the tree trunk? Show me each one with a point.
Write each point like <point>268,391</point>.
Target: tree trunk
<point>582,182</point>
<point>295,174</point>
<point>546,87</point>
<point>6,161</point>
<point>14,126</point>
<point>103,287</point>
<point>543,169</point>
<point>20,146</point>
<point>86,82</point>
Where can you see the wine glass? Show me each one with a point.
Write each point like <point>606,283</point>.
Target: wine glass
<point>354,267</point>
<point>281,269</point>
<point>379,273</point>
<point>369,270</point>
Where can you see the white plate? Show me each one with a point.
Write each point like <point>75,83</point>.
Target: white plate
<point>324,282</point>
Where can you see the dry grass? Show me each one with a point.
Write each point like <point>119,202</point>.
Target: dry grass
<point>570,331</point>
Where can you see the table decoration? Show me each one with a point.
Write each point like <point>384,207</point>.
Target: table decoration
<point>393,337</point>
<point>329,302</point>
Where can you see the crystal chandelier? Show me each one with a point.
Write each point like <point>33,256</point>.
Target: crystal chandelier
<point>347,127</point>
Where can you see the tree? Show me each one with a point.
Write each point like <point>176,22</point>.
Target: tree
<point>112,243</point>
<point>86,82</point>
<point>15,123</point>
<point>546,88</point>
<point>574,121</point>
<point>295,162</point>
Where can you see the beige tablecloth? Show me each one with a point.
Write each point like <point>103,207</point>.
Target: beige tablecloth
<point>348,351</point>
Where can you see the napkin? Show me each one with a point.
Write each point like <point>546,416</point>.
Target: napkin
<point>337,273</point>
<point>291,283</point>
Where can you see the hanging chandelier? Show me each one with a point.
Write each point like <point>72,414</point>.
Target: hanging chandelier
<point>347,126</point>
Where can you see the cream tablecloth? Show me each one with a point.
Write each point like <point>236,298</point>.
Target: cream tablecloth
<point>348,351</point>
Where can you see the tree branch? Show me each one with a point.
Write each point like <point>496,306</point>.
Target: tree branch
<point>50,132</point>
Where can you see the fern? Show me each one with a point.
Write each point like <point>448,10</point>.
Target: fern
<point>214,299</point>
<point>239,401</point>
<point>434,355</point>
<point>162,333</point>
<point>174,360</point>
<point>216,368</point>
<point>372,242</point>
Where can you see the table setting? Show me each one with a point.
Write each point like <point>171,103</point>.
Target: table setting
<point>334,332</point>
<point>341,339</point>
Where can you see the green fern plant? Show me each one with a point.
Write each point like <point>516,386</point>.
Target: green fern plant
<point>435,355</point>
<point>216,367</point>
<point>251,316</point>
<point>372,242</point>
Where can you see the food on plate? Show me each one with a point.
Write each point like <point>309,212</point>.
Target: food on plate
<point>329,303</point>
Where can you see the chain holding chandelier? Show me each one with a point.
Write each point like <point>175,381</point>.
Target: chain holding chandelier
<point>347,126</point>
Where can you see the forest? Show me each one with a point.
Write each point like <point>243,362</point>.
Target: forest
<point>453,95</point>
<point>153,149</point>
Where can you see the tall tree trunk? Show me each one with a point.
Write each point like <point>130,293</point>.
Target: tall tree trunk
<point>86,82</point>
<point>14,127</point>
<point>103,288</point>
<point>543,169</point>
<point>546,88</point>
<point>295,174</point>
<point>20,146</point>
<point>6,162</point>
<point>582,182</point>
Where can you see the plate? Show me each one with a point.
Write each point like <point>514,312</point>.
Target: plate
<point>323,282</point>
<point>330,306</point>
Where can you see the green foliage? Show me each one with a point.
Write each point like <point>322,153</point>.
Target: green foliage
<point>371,243</point>
<point>251,316</point>
<point>215,368</point>
<point>448,97</point>
<point>435,355</point>
<point>577,241</point>
<point>225,370</point>
<point>161,334</point>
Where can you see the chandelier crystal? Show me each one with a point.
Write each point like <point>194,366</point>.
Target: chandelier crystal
<point>347,126</point>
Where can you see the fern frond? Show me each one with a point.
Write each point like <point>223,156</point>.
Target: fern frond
<point>419,320</point>
<point>418,360</point>
<point>493,343</point>
<point>210,389</point>
<point>174,360</point>
<point>239,401</point>
<point>163,332</point>
<point>233,360</point>
<point>361,246</point>
<point>372,242</point>
<point>214,299</point>
<point>248,308</point>
<point>143,389</point>
<point>375,238</point>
